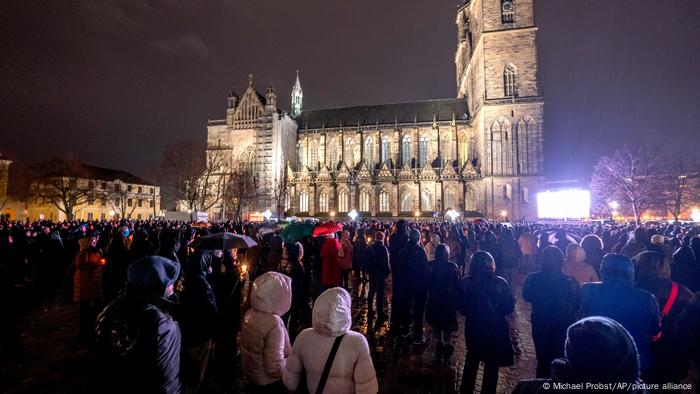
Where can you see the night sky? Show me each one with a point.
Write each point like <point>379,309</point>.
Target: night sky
<point>114,81</point>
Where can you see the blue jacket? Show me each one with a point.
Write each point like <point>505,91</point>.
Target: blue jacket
<point>635,309</point>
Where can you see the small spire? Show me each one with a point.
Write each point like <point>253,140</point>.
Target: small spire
<point>250,80</point>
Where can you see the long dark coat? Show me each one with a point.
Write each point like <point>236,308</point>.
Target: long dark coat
<point>485,303</point>
<point>443,296</point>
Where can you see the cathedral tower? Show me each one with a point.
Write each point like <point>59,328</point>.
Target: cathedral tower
<point>297,98</point>
<point>496,65</point>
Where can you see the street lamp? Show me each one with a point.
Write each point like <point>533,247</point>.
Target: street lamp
<point>111,214</point>
<point>332,213</point>
<point>452,214</point>
<point>695,215</point>
<point>417,213</point>
<point>504,213</point>
<point>267,214</point>
<point>613,205</point>
<point>353,215</point>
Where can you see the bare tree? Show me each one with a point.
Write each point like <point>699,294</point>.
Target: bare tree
<point>122,200</point>
<point>680,184</point>
<point>194,174</point>
<point>63,183</point>
<point>279,194</point>
<point>4,182</point>
<point>630,176</point>
<point>240,191</point>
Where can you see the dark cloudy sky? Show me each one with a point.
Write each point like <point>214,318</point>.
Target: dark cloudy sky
<point>113,81</point>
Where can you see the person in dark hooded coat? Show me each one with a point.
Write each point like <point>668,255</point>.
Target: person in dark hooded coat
<point>485,302</point>
<point>443,295</point>
<point>198,319</point>
<point>597,350</point>
<point>555,299</point>
<point>138,341</point>
<point>685,268</point>
<point>413,263</point>
<point>617,298</point>
<point>397,241</point>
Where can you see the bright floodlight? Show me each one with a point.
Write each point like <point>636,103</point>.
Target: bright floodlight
<point>695,215</point>
<point>564,204</point>
<point>352,214</point>
<point>453,214</point>
<point>267,214</point>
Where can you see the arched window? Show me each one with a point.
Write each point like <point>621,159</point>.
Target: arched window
<point>364,201</point>
<point>300,162</point>
<point>343,201</point>
<point>423,151</point>
<point>287,202</point>
<point>426,201</point>
<point>507,11</point>
<point>303,201</point>
<point>323,202</point>
<point>349,150</point>
<point>449,200</point>
<point>498,148</point>
<point>246,161</point>
<point>313,159</point>
<point>386,150</point>
<point>406,203</point>
<point>526,195</point>
<point>507,191</point>
<point>510,86</point>
<point>369,152</point>
<point>406,149</point>
<point>384,201</point>
<point>334,155</point>
<point>445,149</point>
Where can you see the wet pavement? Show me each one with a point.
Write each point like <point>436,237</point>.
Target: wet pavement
<point>41,353</point>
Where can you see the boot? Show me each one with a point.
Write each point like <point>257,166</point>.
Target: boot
<point>439,348</point>
<point>447,353</point>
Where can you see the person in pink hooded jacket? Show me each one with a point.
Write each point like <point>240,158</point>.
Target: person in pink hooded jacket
<point>264,339</point>
<point>352,370</point>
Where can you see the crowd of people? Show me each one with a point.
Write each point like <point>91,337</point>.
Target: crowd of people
<point>610,303</point>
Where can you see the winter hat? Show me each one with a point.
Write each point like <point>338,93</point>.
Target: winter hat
<point>552,258</point>
<point>153,273</point>
<point>379,236</point>
<point>616,266</point>
<point>658,239</point>
<point>414,235</point>
<point>599,349</point>
<point>575,252</point>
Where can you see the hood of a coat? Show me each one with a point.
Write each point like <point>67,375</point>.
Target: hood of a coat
<point>332,312</point>
<point>152,274</point>
<point>272,293</point>
<point>575,252</point>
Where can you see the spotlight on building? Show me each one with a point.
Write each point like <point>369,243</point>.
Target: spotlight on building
<point>614,205</point>
<point>504,213</point>
<point>452,214</point>
<point>352,214</point>
<point>695,215</point>
<point>267,214</point>
<point>333,214</point>
<point>417,213</point>
<point>111,213</point>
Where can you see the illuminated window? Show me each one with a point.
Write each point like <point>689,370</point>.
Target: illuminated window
<point>386,150</point>
<point>423,151</point>
<point>349,152</point>
<point>364,201</point>
<point>406,203</point>
<point>300,162</point>
<point>304,201</point>
<point>334,155</point>
<point>526,195</point>
<point>384,201</point>
<point>343,201</point>
<point>369,152</point>
<point>507,191</point>
<point>323,202</point>
<point>406,149</point>
<point>313,160</point>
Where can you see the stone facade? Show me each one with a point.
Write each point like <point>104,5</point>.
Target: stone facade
<point>480,153</point>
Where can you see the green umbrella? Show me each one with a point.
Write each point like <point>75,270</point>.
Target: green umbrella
<point>297,231</point>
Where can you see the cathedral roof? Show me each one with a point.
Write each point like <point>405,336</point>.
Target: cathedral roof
<point>418,111</point>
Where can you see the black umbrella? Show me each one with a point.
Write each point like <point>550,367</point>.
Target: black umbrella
<point>223,241</point>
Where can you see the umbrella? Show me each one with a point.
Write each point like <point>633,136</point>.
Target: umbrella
<point>270,228</point>
<point>327,228</point>
<point>223,241</point>
<point>481,221</point>
<point>553,235</point>
<point>296,231</point>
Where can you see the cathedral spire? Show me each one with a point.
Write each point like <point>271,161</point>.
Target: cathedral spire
<point>297,98</point>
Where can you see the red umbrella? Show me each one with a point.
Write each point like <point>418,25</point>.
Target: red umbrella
<point>327,228</point>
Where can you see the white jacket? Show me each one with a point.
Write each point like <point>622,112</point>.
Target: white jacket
<point>431,247</point>
<point>264,339</point>
<point>352,371</point>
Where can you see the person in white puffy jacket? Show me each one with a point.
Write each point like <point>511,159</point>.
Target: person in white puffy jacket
<point>264,340</point>
<point>352,370</point>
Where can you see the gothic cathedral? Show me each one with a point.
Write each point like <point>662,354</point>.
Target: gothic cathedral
<point>480,153</point>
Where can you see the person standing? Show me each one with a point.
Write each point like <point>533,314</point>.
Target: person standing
<point>264,339</point>
<point>345,258</point>
<point>443,294</point>
<point>413,262</point>
<point>138,341</point>
<point>617,298</point>
<point>330,270</point>
<point>397,241</point>
<point>485,301</point>
<point>508,257</point>
<point>358,256</point>
<point>528,249</point>
<point>555,300</point>
<point>575,265</point>
<point>378,269</point>
<point>87,282</point>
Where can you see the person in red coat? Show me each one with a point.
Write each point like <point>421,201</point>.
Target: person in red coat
<point>330,271</point>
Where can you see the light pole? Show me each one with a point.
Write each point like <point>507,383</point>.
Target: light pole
<point>613,205</point>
